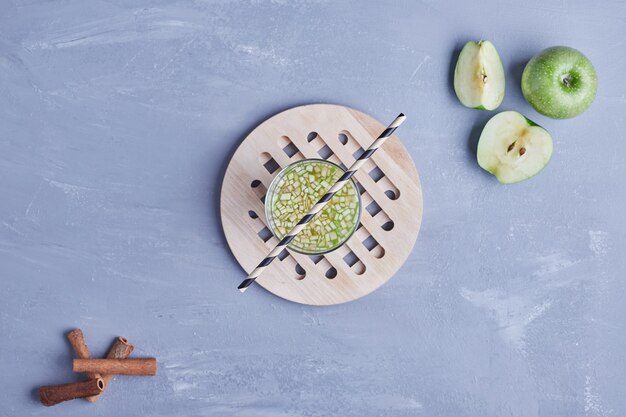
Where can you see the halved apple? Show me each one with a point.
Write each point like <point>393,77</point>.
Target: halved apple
<point>479,76</point>
<point>513,148</point>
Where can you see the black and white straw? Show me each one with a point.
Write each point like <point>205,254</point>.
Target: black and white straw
<point>322,202</point>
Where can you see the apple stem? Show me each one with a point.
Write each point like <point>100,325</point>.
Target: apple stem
<point>567,81</point>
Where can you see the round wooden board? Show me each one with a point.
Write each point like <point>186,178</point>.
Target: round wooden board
<point>390,191</point>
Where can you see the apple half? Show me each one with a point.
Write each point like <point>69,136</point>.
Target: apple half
<point>513,148</point>
<point>479,76</point>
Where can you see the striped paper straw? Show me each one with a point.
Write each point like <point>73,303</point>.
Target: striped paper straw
<point>321,203</point>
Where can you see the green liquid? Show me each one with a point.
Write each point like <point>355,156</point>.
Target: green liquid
<point>297,189</point>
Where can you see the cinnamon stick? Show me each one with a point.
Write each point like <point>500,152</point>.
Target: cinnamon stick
<point>54,394</point>
<point>121,349</point>
<point>137,367</point>
<point>77,340</point>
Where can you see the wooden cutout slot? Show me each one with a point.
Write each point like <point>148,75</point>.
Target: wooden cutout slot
<point>319,145</point>
<point>382,218</point>
<point>373,208</point>
<point>378,252</point>
<point>391,191</point>
<point>253,214</point>
<point>360,187</point>
<point>351,142</point>
<point>316,258</point>
<point>268,162</point>
<point>289,148</point>
<point>321,263</point>
<point>359,268</point>
<point>259,190</point>
<point>265,234</point>
<point>324,152</point>
<point>282,255</point>
<point>350,259</point>
<point>373,247</point>
<point>331,273</point>
<point>357,153</point>
<point>376,174</point>
<point>354,263</point>
<point>370,243</point>
<point>391,195</point>
<point>311,136</point>
<point>300,271</point>
<point>387,226</point>
<point>271,166</point>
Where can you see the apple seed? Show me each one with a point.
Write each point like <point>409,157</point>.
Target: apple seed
<point>511,146</point>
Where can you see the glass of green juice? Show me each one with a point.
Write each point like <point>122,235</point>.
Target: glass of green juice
<point>296,189</point>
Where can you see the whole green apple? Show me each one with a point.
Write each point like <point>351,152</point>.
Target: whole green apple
<point>560,82</point>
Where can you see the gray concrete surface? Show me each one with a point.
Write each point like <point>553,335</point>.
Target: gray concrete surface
<point>117,119</point>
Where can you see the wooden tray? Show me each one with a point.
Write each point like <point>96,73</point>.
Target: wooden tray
<point>391,195</point>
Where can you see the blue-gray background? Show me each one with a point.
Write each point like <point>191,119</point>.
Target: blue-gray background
<point>117,120</point>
